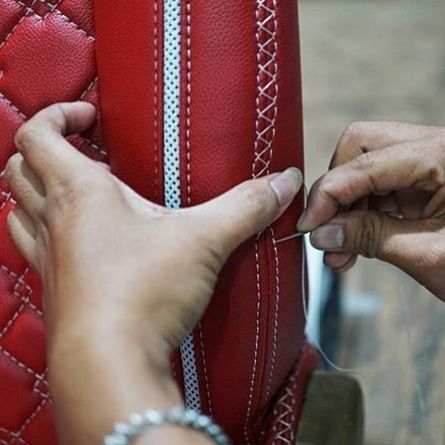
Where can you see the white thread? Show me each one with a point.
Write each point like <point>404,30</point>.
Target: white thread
<point>266,101</point>
<point>257,337</point>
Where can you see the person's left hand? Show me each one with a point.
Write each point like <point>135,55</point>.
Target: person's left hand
<point>115,265</point>
<point>104,252</point>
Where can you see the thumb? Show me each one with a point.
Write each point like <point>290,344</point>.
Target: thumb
<point>250,207</point>
<point>376,235</point>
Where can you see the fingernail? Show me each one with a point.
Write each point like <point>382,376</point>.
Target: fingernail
<point>287,184</point>
<point>330,237</point>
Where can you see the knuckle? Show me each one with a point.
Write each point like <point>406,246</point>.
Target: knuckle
<point>259,197</point>
<point>353,133</point>
<point>368,237</point>
<point>364,162</point>
<point>11,167</point>
<point>26,136</point>
<point>350,144</point>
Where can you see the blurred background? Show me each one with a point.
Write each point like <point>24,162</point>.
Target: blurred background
<point>373,60</point>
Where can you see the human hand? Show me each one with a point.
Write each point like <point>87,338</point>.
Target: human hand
<point>384,197</point>
<point>97,244</point>
<point>119,273</point>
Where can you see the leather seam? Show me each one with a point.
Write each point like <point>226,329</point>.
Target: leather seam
<point>9,272</point>
<point>155,95</point>
<point>20,364</point>
<point>30,418</point>
<point>265,131</point>
<point>25,301</point>
<point>189,171</point>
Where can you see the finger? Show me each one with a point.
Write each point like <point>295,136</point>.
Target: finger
<point>25,186</point>
<point>363,137</point>
<point>249,208</point>
<point>393,168</point>
<point>23,233</point>
<point>436,206</point>
<point>42,143</point>
<point>402,243</point>
<point>340,262</point>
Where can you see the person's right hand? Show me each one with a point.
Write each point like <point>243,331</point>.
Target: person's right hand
<point>384,197</point>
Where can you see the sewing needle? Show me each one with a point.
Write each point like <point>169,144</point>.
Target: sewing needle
<point>290,237</point>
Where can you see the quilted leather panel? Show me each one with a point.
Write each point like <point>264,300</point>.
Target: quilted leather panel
<point>46,55</point>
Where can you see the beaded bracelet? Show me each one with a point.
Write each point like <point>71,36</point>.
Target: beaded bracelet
<point>125,433</point>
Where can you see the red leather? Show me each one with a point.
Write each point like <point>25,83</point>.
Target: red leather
<point>238,58</point>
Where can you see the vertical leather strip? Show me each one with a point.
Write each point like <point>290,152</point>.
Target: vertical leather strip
<point>129,82</point>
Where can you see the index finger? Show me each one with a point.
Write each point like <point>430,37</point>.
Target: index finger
<point>397,167</point>
<point>42,143</point>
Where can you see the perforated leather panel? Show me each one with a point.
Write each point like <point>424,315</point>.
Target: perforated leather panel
<point>56,39</point>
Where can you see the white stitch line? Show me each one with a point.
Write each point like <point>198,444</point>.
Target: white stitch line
<point>89,88</point>
<point>30,12</point>
<point>189,99</point>
<point>12,106</point>
<point>11,434</point>
<point>257,336</point>
<point>25,300</point>
<point>156,92</point>
<point>204,363</point>
<point>263,147</point>
<point>9,35</point>
<point>19,363</point>
<point>277,308</point>
<point>27,287</point>
<point>17,436</point>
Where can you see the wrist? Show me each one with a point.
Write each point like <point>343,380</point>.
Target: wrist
<point>100,374</point>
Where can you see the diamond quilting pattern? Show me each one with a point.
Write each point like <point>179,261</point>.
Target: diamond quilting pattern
<point>46,56</point>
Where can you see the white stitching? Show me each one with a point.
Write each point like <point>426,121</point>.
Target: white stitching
<point>156,92</point>
<point>257,337</point>
<point>204,365</point>
<point>19,363</point>
<point>28,13</point>
<point>188,99</point>
<point>12,106</point>
<point>9,272</point>
<point>89,88</point>
<point>11,434</point>
<point>25,301</point>
<point>284,421</point>
<point>267,87</point>
<point>27,421</point>
<point>266,102</point>
<point>277,308</point>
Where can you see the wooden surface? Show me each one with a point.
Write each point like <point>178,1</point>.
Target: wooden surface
<point>371,60</point>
